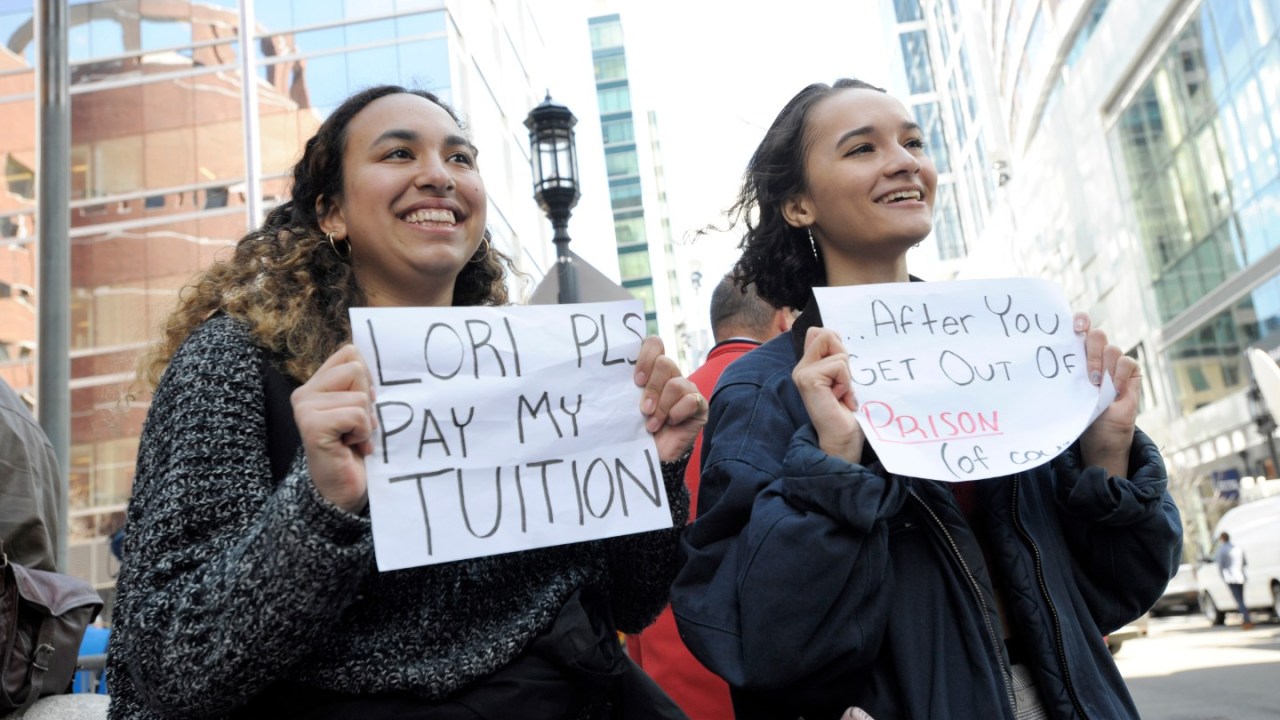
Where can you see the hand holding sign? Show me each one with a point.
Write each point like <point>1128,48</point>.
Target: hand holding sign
<point>822,377</point>
<point>976,379</point>
<point>673,408</point>
<point>334,415</point>
<point>1107,440</point>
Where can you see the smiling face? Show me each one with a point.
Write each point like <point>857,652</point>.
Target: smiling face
<point>869,188</point>
<point>412,204</point>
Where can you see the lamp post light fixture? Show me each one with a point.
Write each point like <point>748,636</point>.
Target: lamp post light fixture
<point>555,181</point>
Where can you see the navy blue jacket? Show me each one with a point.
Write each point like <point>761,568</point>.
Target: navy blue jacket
<point>812,584</point>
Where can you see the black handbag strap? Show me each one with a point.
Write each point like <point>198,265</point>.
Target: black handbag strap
<point>283,439</point>
<point>41,659</point>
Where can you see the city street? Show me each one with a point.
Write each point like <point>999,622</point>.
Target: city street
<point>1186,669</point>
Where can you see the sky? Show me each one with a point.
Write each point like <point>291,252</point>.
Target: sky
<point>717,72</point>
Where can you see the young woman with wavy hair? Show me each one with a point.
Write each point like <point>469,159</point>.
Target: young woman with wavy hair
<point>249,587</point>
<point>819,584</point>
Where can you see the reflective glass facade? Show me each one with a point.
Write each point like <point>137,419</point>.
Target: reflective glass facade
<point>1021,32</point>
<point>915,52</point>
<point>1094,15</point>
<point>613,94</point>
<point>1200,152</point>
<point>937,110</point>
<point>160,183</point>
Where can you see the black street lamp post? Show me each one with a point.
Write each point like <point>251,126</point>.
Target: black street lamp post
<point>555,181</point>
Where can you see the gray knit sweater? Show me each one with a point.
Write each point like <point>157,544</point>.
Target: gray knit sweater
<point>232,581</point>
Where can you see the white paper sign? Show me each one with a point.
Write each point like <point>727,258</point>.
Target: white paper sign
<point>505,429</point>
<point>968,379</point>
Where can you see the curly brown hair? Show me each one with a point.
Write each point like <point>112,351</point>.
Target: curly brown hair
<point>778,259</point>
<point>286,281</point>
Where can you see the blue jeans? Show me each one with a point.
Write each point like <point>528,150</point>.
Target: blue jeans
<point>1237,591</point>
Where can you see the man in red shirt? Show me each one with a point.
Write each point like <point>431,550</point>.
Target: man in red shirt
<point>740,321</point>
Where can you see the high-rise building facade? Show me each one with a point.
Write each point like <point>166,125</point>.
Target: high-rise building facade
<point>637,190</point>
<point>944,81</point>
<point>173,154</point>
<point>1195,133</point>
<point>1143,175</point>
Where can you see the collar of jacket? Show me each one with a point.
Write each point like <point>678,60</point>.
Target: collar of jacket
<point>811,317</point>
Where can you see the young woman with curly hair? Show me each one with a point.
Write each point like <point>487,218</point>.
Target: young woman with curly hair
<point>819,584</point>
<point>249,587</point>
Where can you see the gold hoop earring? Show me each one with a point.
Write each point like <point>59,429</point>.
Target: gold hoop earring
<point>484,244</point>
<point>341,255</point>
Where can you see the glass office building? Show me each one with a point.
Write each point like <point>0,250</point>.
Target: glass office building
<point>1200,153</point>
<point>172,154</point>
<point>922,61</point>
<point>1147,182</point>
<point>637,194</point>
<point>946,86</point>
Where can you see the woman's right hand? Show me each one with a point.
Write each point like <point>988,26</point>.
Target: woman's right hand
<point>826,386</point>
<point>335,417</point>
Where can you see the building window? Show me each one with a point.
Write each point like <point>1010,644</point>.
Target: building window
<point>19,178</point>
<point>635,264</point>
<point>617,131</point>
<point>14,226</point>
<point>613,67</point>
<point>625,195</point>
<point>606,32</point>
<point>944,31</point>
<point>915,55</point>
<point>215,197</point>
<point>958,118</point>
<point>629,231</point>
<point>1095,13</point>
<point>948,233</point>
<point>1207,362</point>
<point>623,162</point>
<point>966,77</point>
<point>614,100</point>
<point>974,204</point>
<point>1199,383</point>
<point>907,10</point>
<point>929,118</point>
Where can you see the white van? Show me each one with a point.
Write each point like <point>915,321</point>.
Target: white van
<point>1255,528</point>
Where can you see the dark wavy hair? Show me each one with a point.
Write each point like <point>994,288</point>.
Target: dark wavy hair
<point>287,282</point>
<point>777,259</point>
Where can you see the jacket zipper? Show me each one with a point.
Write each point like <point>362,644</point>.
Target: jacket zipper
<point>1044,592</point>
<point>977,593</point>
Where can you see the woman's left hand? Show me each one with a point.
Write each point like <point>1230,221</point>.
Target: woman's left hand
<point>674,410</point>
<point>1106,442</point>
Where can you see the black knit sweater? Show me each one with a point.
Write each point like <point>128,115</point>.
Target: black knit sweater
<point>232,582</point>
